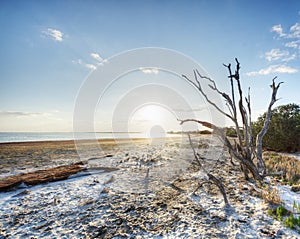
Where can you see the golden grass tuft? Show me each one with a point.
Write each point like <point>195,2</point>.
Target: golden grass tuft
<point>271,195</point>
<point>289,166</point>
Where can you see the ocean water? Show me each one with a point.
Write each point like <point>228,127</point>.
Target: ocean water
<point>46,136</point>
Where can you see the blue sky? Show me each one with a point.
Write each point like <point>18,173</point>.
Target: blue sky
<point>48,48</point>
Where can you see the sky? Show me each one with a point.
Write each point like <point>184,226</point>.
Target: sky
<point>50,48</point>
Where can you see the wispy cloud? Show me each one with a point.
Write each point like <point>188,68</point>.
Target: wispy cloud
<point>191,110</point>
<point>54,34</point>
<point>293,44</point>
<point>278,29</point>
<point>292,35</point>
<point>20,114</point>
<point>99,58</point>
<point>276,54</point>
<point>33,121</point>
<point>91,66</point>
<point>96,56</point>
<point>293,32</point>
<point>149,70</point>
<point>279,55</point>
<point>273,69</point>
<point>82,63</point>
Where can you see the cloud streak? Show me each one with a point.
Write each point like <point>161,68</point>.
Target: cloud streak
<point>21,114</point>
<point>97,57</point>
<point>80,62</point>
<point>149,70</point>
<point>90,66</point>
<point>276,54</point>
<point>273,69</point>
<point>293,35</point>
<point>293,44</point>
<point>278,29</point>
<point>294,31</point>
<point>54,34</point>
<point>191,110</point>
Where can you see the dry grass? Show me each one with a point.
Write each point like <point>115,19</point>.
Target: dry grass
<point>289,166</point>
<point>271,195</point>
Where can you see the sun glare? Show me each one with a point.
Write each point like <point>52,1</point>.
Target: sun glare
<point>154,120</point>
<point>152,113</point>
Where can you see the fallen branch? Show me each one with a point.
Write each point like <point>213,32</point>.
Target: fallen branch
<point>211,178</point>
<point>41,176</point>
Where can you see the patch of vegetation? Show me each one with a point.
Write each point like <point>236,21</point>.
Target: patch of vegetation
<point>205,132</point>
<point>231,132</point>
<point>271,195</point>
<point>292,222</point>
<point>289,166</point>
<point>284,129</point>
<point>288,218</point>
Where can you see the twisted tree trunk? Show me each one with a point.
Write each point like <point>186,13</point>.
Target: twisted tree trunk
<point>243,150</point>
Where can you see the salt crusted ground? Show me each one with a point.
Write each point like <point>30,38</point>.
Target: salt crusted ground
<point>150,195</point>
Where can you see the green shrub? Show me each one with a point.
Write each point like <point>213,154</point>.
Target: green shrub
<point>284,129</point>
<point>281,211</point>
<point>289,220</point>
<point>231,132</point>
<point>292,222</point>
<point>205,132</point>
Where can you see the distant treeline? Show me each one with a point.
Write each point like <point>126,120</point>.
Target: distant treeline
<point>191,132</point>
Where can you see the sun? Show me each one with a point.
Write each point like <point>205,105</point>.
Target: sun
<point>147,116</point>
<point>153,120</point>
<point>152,113</point>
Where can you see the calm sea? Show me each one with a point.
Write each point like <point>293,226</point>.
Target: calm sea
<point>26,137</point>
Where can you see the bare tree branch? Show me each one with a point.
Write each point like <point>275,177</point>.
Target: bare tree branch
<point>264,130</point>
<point>243,150</point>
<point>205,96</point>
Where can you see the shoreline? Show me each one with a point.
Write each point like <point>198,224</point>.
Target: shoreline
<point>100,140</point>
<point>22,157</point>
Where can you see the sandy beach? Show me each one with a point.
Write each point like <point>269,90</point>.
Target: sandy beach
<point>131,189</point>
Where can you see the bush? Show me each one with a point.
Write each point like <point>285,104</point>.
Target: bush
<point>284,129</point>
<point>205,132</point>
<point>231,132</point>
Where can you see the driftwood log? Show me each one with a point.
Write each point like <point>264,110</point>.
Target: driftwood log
<point>41,176</point>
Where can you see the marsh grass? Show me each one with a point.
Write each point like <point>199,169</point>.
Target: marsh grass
<point>289,166</point>
<point>271,195</point>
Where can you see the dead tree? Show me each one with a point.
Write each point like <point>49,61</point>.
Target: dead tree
<point>242,149</point>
